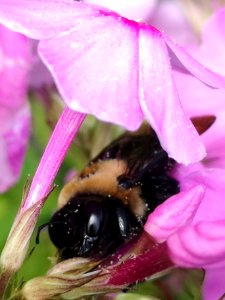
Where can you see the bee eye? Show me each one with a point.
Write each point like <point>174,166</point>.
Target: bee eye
<point>95,220</point>
<point>93,226</point>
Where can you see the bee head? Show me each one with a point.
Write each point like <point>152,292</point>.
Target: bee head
<point>92,226</point>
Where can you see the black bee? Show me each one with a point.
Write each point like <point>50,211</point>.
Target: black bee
<point>108,204</point>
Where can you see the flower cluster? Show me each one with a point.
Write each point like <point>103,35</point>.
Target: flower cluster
<point>116,60</point>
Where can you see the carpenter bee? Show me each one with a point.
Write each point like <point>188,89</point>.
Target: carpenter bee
<point>109,202</point>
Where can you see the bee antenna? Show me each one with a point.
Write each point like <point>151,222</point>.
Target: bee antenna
<point>39,231</point>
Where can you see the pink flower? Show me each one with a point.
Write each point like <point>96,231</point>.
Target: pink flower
<point>94,72</point>
<point>193,222</point>
<point>14,109</point>
<point>112,67</point>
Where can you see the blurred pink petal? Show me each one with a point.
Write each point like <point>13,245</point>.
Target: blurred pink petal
<point>177,211</point>
<point>170,17</point>
<point>14,136</point>
<point>39,74</point>
<point>14,110</point>
<point>14,68</point>
<point>214,283</point>
<point>212,34</point>
<point>204,100</point>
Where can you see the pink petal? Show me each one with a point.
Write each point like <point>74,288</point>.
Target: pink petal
<point>14,68</point>
<point>99,78</point>
<point>14,112</point>
<point>202,73</point>
<point>138,10</point>
<point>213,34</point>
<point>207,231</point>
<point>200,245</point>
<point>213,205</point>
<point>160,103</point>
<point>41,19</point>
<point>39,75</point>
<point>8,40</point>
<point>174,213</point>
<point>14,134</point>
<point>214,284</point>
<point>204,101</point>
<point>58,145</point>
<point>171,17</point>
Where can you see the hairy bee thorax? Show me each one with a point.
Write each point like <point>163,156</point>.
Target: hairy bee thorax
<point>100,178</point>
